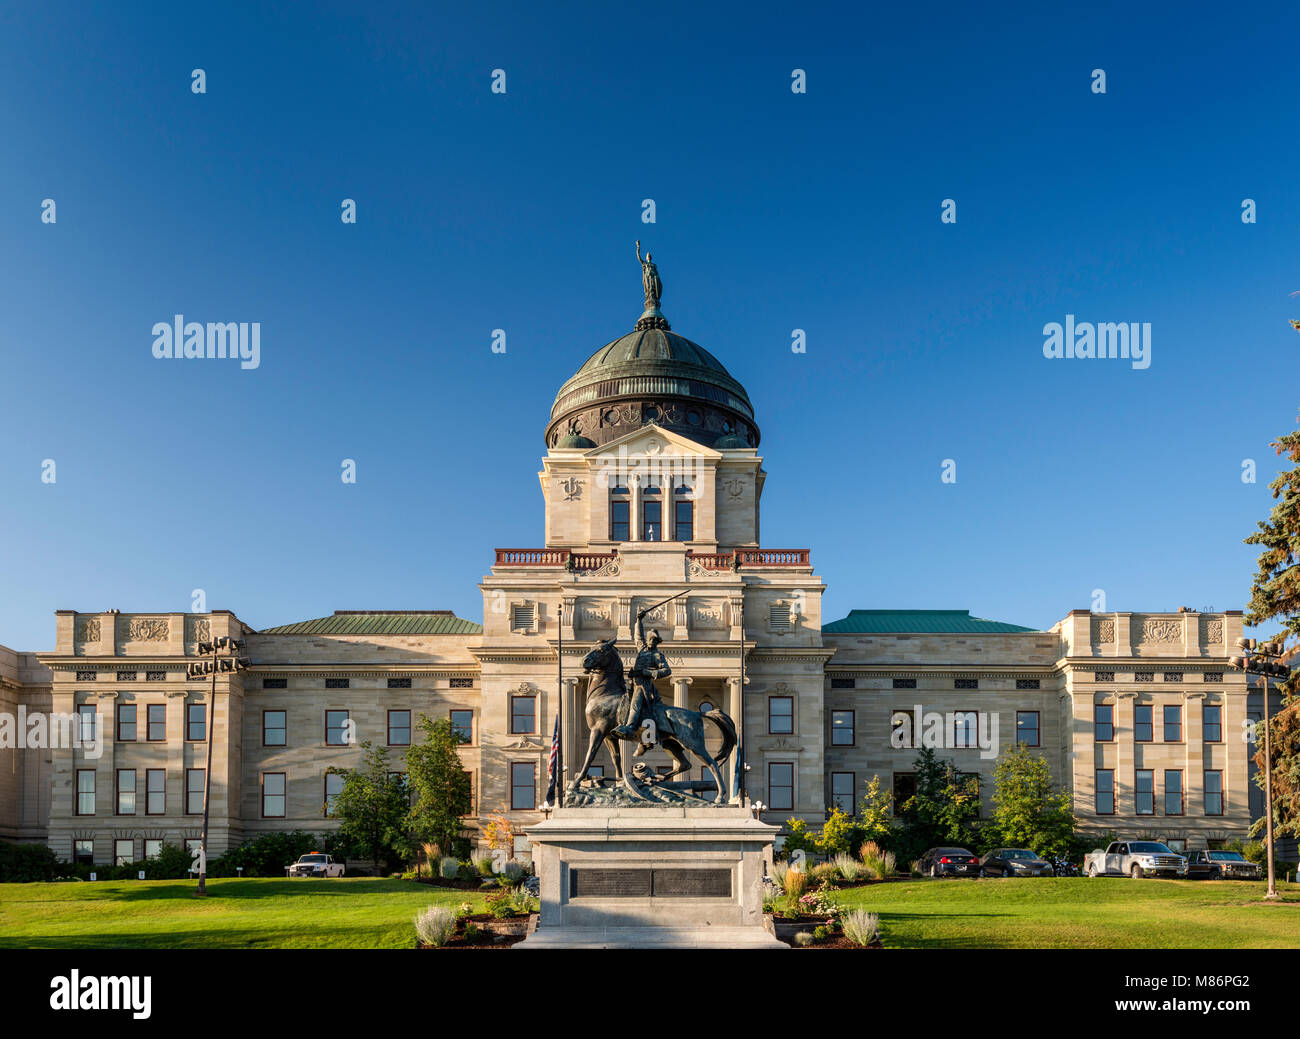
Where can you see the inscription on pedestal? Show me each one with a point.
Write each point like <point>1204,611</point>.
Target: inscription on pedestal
<point>646,883</point>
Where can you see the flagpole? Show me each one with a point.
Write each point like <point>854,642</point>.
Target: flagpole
<point>559,710</point>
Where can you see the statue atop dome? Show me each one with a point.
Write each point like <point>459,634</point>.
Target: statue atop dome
<point>654,290</point>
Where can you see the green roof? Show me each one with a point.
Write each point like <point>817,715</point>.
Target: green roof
<point>382,622</point>
<point>917,622</point>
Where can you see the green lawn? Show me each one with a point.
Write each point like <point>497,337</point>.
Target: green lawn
<point>1081,913</point>
<point>357,913</point>
<point>344,913</point>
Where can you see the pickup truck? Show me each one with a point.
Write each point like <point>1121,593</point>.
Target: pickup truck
<point>1135,859</point>
<point>316,864</point>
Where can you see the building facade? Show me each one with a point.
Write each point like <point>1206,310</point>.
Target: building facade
<point>651,485</point>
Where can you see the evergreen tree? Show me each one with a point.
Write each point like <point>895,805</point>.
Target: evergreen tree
<point>1275,596</point>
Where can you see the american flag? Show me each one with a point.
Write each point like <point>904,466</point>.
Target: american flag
<point>554,764</point>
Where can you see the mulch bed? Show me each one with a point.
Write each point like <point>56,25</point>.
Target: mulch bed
<point>484,921</point>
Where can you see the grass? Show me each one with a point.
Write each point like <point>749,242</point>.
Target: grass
<point>366,913</point>
<point>1080,913</point>
<point>342,913</point>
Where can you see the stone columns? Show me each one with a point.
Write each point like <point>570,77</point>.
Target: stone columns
<point>680,694</point>
<point>1125,749</point>
<point>575,729</point>
<point>736,709</point>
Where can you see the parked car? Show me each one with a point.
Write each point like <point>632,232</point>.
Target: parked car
<point>1014,862</point>
<point>1135,859</point>
<point>949,862</point>
<point>1227,865</point>
<point>316,864</point>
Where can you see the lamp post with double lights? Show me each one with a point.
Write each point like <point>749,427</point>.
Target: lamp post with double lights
<point>1261,658</point>
<point>223,659</point>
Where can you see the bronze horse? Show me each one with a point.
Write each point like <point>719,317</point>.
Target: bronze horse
<point>679,730</point>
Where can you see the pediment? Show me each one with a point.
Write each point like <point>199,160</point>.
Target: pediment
<point>651,441</point>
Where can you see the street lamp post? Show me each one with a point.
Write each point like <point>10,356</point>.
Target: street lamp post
<point>1261,658</point>
<point>223,652</point>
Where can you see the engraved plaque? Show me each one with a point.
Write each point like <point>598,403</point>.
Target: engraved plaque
<point>644,883</point>
<point>609,883</point>
<point>692,883</point>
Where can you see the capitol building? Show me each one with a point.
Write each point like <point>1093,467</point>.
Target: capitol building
<point>652,483</point>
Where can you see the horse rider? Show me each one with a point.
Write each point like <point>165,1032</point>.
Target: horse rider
<point>650,665</point>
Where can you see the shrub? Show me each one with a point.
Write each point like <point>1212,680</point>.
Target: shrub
<point>824,873</point>
<point>475,935</point>
<point>849,868</point>
<point>803,939</point>
<point>779,870</point>
<point>264,856</point>
<point>448,867</point>
<point>889,865</point>
<point>484,865</point>
<point>22,863</point>
<point>820,933</point>
<point>511,873</point>
<point>435,925</point>
<point>860,927</point>
<point>795,882</point>
<point>916,869</point>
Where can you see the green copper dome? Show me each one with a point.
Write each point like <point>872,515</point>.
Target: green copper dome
<point>652,374</point>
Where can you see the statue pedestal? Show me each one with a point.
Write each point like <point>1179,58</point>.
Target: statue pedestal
<point>651,877</point>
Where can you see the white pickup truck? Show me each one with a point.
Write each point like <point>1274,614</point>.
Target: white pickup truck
<point>1135,859</point>
<point>315,864</point>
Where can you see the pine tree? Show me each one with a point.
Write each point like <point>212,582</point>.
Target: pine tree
<point>1275,596</point>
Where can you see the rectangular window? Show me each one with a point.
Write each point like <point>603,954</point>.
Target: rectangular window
<point>523,786</point>
<point>86,715</point>
<point>965,728</point>
<point>85,791</point>
<point>1145,787</point>
<point>333,787</point>
<point>523,714</point>
<point>194,782</point>
<point>274,730</point>
<point>155,792</point>
<point>399,728</point>
<point>83,851</point>
<point>1173,723</point>
<point>620,524</point>
<point>780,715</point>
<point>126,791</point>
<point>1173,791</point>
<point>652,520</point>
<point>126,723</point>
<point>152,847</point>
<point>1143,730</point>
<point>336,728</point>
<point>124,851</point>
<point>1213,792</point>
<point>780,786</point>
<point>196,722</point>
<point>1103,723</point>
<point>1212,723</point>
<point>274,788</point>
<point>463,723</point>
<point>1105,791</point>
<point>157,722</point>
<point>842,792</point>
<point>1027,728</point>
<point>684,521</point>
<point>842,728</point>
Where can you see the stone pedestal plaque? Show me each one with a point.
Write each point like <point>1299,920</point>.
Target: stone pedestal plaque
<point>651,877</point>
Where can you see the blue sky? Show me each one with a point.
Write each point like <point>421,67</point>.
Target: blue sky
<point>775,211</point>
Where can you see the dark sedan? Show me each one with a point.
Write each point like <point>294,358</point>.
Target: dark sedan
<point>1221,865</point>
<point>949,862</point>
<point>1014,862</point>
